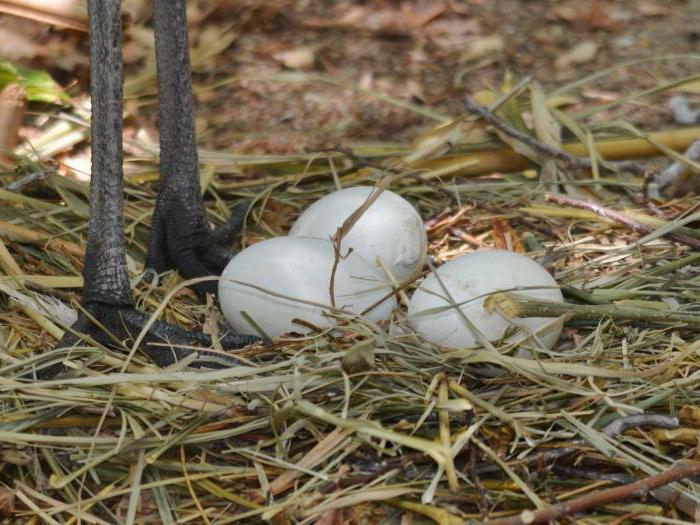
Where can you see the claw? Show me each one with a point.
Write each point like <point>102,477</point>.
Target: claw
<point>165,344</point>
<point>180,241</point>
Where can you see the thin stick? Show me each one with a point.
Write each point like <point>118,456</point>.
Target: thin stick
<point>638,489</point>
<point>571,161</point>
<point>619,217</point>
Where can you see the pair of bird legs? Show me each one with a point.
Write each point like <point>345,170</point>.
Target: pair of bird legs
<point>180,236</point>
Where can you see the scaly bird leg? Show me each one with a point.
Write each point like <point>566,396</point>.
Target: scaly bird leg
<point>180,235</point>
<point>106,292</point>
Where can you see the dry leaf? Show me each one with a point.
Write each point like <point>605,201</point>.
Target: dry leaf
<point>424,12</point>
<point>140,10</point>
<point>690,415</point>
<point>15,46</point>
<point>442,138</point>
<point>72,14</point>
<point>7,502</point>
<point>547,130</point>
<point>453,33</point>
<point>395,22</point>
<point>505,237</point>
<point>297,58</point>
<point>590,15</point>
<point>482,47</point>
<point>651,8</point>
<point>333,517</point>
<point>582,52</point>
<point>12,106</point>
<point>212,41</point>
<point>146,509</point>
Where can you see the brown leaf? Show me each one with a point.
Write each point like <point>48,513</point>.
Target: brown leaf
<point>690,415</point>
<point>12,106</point>
<point>424,12</point>
<point>651,8</point>
<point>278,216</point>
<point>394,22</point>
<point>72,15</point>
<point>212,317</point>
<point>7,502</point>
<point>146,510</point>
<point>505,237</point>
<point>352,18</point>
<point>15,46</point>
<point>582,52</point>
<point>332,517</point>
<point>453,33</point>
<point>547,130</point>
<point>482,47</point>
<point>296,58</point>
<point>591,14</point>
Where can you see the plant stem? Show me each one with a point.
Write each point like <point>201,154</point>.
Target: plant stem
<point>514,305</point>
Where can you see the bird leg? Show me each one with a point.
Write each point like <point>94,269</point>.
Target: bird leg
<point>180,235</point>
<point>111,318</point>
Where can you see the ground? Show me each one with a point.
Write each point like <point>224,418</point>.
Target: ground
<point>374,425</point>
<point>427,52</point>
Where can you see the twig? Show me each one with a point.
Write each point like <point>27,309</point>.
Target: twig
<point>519,305</point>
<point>619,218</point>
<point>598,498</point>
<point>30,179</point>
<point>593,473</point>
<point>343,230</point>
<point>666,495</point>
<point>618,426</point>
<point>570,161</point>
<point>612,429</point>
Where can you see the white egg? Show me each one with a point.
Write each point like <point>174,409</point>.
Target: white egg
<point>281,279</point>
<point>470,279</point>
<point>390,229</point>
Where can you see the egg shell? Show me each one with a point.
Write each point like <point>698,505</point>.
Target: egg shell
<point>471,278</point>
<point>299,269</point>
<point>390,228</point>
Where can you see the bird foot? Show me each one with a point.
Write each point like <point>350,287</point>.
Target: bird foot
<point>165,344</point>
<point>179,240</point>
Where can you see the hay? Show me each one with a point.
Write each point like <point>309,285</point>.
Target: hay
<point>371,422</point>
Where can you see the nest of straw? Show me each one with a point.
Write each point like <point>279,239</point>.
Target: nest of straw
<point>371,424</point>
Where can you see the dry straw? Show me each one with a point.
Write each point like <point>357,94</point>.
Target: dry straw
<point>372,420</point>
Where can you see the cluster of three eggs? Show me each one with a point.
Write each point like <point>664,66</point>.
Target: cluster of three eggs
<point>306,280</point>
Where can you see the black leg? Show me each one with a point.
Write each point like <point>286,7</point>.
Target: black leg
<point>106,280</point>
<point>180,235</point>
<point>106,292</point>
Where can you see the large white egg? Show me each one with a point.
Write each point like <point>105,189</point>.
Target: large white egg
<point>281,279</point>
<point>470,279</point>
<point>390,228</point>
